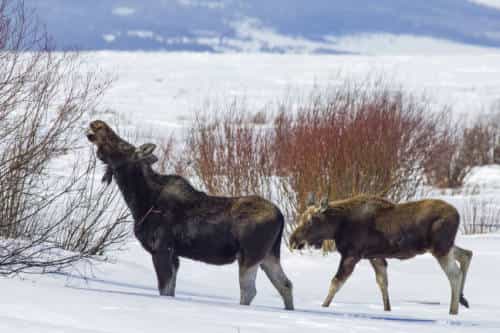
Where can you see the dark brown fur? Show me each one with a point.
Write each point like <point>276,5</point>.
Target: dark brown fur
<point>173,219</point>
<point>367,227</point>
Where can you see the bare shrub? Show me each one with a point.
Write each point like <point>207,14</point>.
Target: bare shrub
<point>340,142</point>
<point>479,216</point>
<point>172,158</point>
<point>259,118</point>
<point>355,140</point>
<point>44,97</point>
<point>460,150</point>
<point>228,154</point>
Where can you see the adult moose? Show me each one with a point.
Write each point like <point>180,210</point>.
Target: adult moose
<point>174,220</point>
<point>368,227</point>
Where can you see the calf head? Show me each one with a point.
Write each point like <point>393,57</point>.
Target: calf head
<point>116,152</point>
<point>315,225</point>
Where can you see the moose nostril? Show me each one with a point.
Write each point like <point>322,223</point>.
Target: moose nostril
<point>90,135</point>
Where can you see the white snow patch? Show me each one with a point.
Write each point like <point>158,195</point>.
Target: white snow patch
<point>123,11</point>
<point>489,3</point>
<point>109,38</point>
<point>122,297</point>
<point>146,34</point>
<point>390,44</point>
<point>484,176</point>
<point>176,84</point>
<point>202,4</point>
<point>253,36</point>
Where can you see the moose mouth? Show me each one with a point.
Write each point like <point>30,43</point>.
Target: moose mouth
<point>302,244</point>
<point>90,135</point>
<point>298,246</point>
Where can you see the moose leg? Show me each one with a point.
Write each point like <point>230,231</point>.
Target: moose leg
<point>248,274</point>
<point>166,267</point>
<point>454,274</point>
<point>272,267</point>
<point>463,256</point>
<point>345,269</point>
<point>380,267</point>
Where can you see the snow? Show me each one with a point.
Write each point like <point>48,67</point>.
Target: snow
<point>402,44</point>
<point>140,33</point>
<point>484,177</point>
<point>161,92</point>
<point>109,38</point>
<point>203,4</point>
<point>489,3</point>
<point>123,11</point>
<point>121,297</point>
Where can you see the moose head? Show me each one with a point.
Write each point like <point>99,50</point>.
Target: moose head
<point>314,225</point>
<point>116,152</point>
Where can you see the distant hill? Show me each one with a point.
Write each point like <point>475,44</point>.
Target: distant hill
<point>262,25</point>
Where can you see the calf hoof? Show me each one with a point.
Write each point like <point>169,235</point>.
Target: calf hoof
<point>463,301</point>
<point>167,293</point>
<point>325,304</point>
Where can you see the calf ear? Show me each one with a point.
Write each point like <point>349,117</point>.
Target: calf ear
<point>146,149</point>
<point>324,204</point>
<point>151,159</point>
<point>310,201</point>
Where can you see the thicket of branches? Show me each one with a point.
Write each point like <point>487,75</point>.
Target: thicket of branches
<point>348,140</point>
<point>48,200</point>
<point>340,142</point>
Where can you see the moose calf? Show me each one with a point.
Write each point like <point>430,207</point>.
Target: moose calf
<point>368,227</point>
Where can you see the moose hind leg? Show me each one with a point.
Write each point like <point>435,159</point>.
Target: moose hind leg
<point>272,267</point>
<point>247,283</point>
<point>464,257</point>
<point>380,268</point>
<point>345,270</point>
<point>166,267</point>
<point>454,274</point>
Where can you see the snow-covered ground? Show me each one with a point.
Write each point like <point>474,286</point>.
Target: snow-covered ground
<point>121,297</point>
<point>161,92</point>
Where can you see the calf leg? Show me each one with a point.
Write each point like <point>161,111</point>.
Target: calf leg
<point>454,274</point>
<point>345,269</point>
<point>380,267</point>
<point>248,274</point>
<point>272,267</point>
<point>463,256</point>
<point>166,266</point>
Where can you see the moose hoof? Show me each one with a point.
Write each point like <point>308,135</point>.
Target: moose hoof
<point>464,301</point>
<point>167,293</point>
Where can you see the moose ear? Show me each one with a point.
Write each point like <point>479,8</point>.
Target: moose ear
<point>310,201</point>
<point>151,159</point>
<point>146,149</point>
<point>324,204</point>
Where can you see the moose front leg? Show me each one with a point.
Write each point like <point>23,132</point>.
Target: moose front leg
<point>346,267</point>
<point>166,266</point>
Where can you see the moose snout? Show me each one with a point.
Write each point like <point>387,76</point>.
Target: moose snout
<point>295,244</point>
<point>90,135</point>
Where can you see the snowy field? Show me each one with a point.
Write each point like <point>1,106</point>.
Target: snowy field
<point>121,297</point>
<point>161,92</point>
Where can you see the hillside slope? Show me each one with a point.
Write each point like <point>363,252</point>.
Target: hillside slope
<point>258,25</point>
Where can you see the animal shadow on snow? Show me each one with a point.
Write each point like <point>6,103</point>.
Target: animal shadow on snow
<point>227,302</point>
<point>154,290</point>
